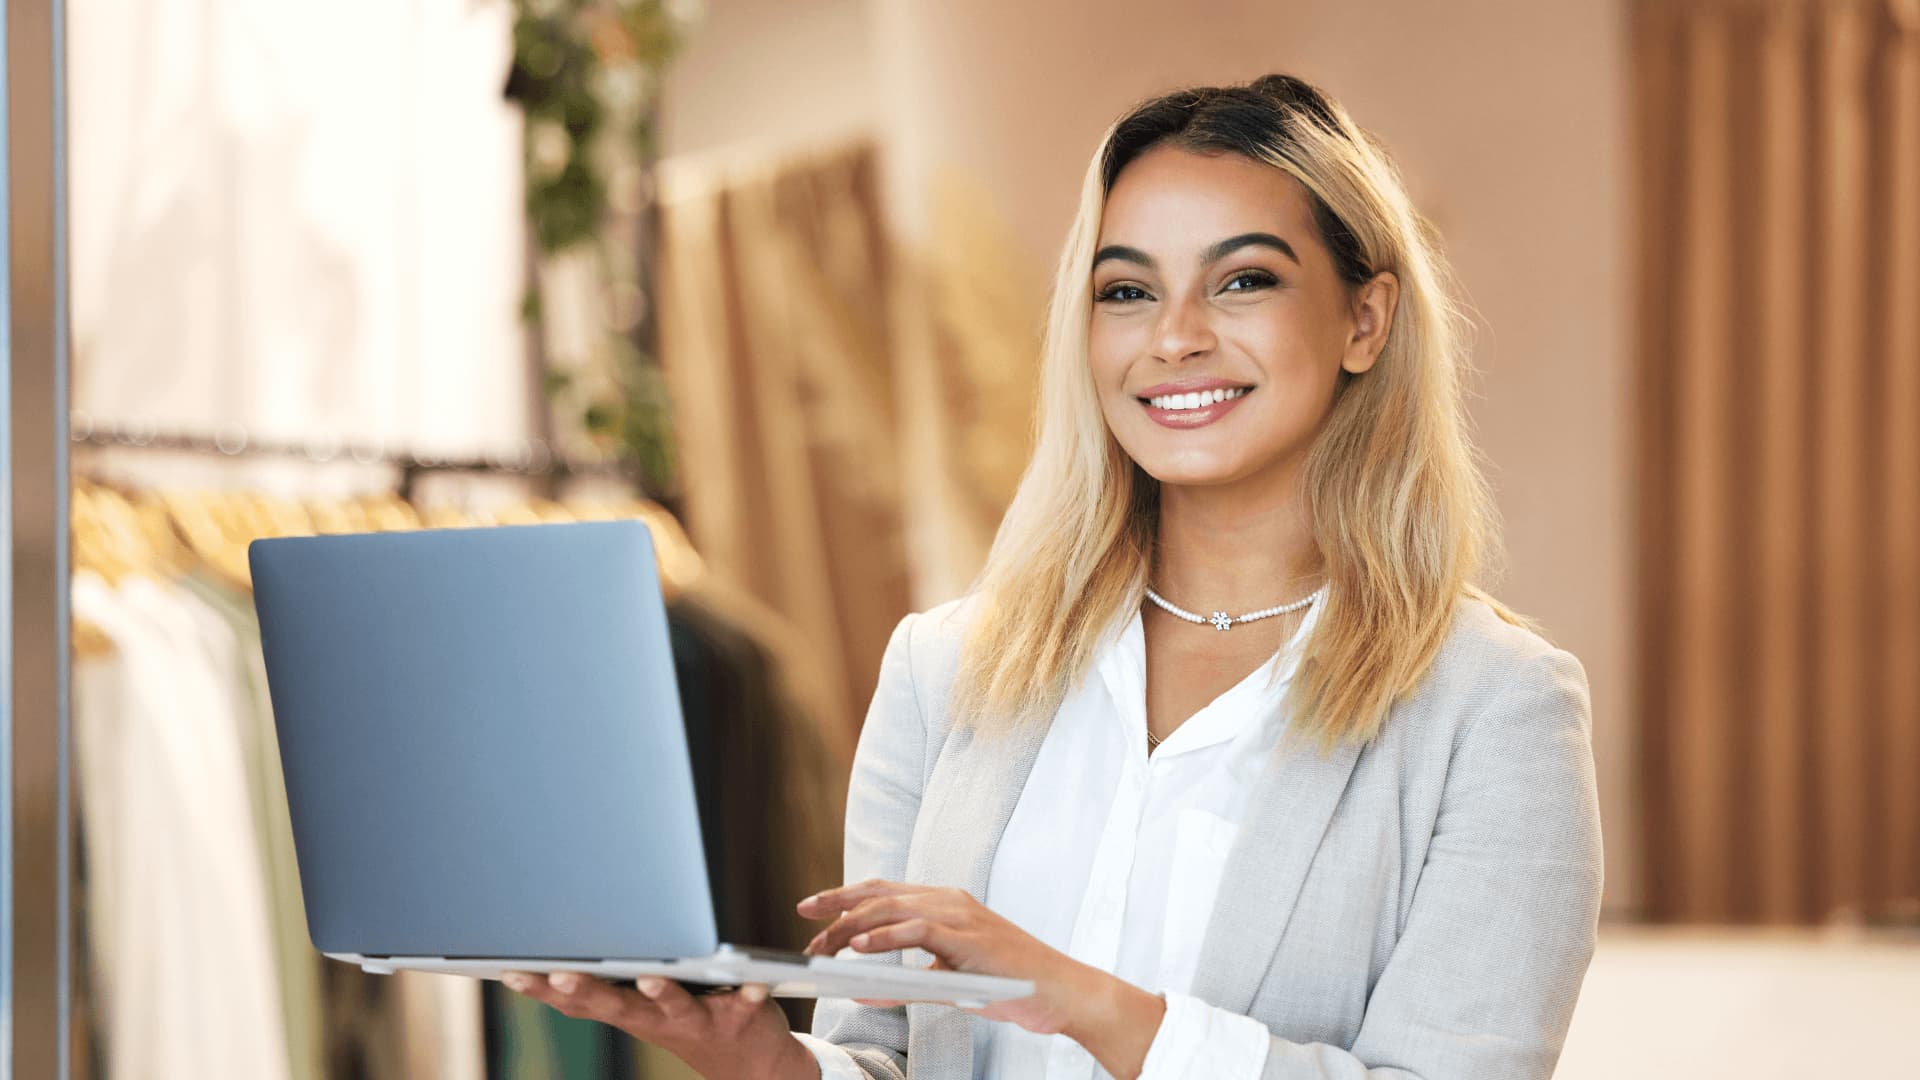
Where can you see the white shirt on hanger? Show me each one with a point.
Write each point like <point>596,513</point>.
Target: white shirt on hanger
<point>1114,857</point>
<point>180,934</point>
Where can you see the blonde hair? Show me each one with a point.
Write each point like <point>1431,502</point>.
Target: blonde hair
<point>1401,513</point>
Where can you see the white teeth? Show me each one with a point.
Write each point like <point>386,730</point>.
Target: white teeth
<point>1196,400</point>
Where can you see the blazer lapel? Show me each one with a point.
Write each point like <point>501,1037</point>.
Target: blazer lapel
<point>1266,869</point>
<point>969,799</point>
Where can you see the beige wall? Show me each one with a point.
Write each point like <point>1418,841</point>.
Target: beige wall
<point>770,72</point>
<point>1508,118</point>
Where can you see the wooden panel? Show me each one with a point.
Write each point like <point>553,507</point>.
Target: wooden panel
<point>1779,539</point>
<point>1701,384</point>
<point>1840,456</point>
<point>1899,402</point>
<point>1655,45</point>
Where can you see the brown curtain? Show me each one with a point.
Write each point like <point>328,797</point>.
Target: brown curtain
<point>774,293</point>
<point>1779,389</point>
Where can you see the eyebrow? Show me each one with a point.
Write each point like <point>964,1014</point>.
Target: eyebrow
<point>1213,253</point>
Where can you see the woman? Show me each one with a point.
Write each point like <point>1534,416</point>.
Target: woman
<point>1340,816</point>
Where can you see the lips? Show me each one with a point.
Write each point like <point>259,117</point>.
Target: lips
<point>1191,386</point>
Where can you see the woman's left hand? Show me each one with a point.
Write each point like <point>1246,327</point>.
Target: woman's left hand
<point>1100,1011</point>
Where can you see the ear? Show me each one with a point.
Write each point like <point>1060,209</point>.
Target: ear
<point>1372,314</point>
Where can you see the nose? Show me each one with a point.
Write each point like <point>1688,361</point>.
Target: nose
<point>1182,333</point>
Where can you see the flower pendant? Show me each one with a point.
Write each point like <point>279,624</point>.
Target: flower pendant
<point>1221,621</point>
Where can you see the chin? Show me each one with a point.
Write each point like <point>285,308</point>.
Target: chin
<point>1192,473</point>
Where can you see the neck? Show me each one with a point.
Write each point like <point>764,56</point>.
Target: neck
<point>1219,550</point>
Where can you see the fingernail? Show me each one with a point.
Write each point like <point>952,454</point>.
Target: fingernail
<point>650,986</point>
<point>566,982</point>
<point>754,992</point>
<point>515,983</point>
<point>860,941</point>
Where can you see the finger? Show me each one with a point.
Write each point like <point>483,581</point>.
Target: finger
<point>915,933</point>
<point>745,1001</point>
<point>536,986</point>
<point>733,1011</point>
<point>675,1004</point>
<point>531,985</point>
<point>879,1003</point>
<point>865,916</point>
<point>596,998</point>
<point>830,902</point>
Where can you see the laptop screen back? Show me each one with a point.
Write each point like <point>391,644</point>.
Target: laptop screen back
<point>482,742</point>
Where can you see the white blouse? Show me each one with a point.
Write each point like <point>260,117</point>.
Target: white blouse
<point>1114,857</point>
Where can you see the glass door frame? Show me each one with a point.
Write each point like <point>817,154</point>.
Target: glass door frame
<point>35,819</point>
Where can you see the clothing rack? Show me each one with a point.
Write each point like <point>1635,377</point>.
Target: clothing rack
<point>532,459</point>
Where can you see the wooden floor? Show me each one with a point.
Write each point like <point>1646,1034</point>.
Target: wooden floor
<point>1753,1005</point>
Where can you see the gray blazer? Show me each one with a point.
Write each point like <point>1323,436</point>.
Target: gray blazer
<point>1423,907</point>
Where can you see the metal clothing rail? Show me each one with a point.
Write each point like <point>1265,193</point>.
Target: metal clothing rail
<point>530,458</point>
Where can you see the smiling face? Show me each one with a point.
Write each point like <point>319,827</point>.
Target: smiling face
<point>1219,323</point>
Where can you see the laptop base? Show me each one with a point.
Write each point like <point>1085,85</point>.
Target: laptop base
<point>807,977</point>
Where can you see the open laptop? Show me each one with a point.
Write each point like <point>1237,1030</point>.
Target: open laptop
<point>486,764</point>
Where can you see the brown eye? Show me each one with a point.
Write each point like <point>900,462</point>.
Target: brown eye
<point>1120,294</point>
<point>1254,279</point>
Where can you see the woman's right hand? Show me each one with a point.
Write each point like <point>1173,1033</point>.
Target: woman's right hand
<point>740,1033</point>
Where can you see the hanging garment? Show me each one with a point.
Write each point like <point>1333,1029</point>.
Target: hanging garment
<point>775,345</point>
<point>767,776</point>
<point>362,1035</point>
<point>183,961</point>
<point>299,964</point>
<point>440,1015</point>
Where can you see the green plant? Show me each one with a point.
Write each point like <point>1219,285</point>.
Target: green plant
<point>586,75</point>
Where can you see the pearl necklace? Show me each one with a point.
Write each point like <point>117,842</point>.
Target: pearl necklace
<point>1223,621</point>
